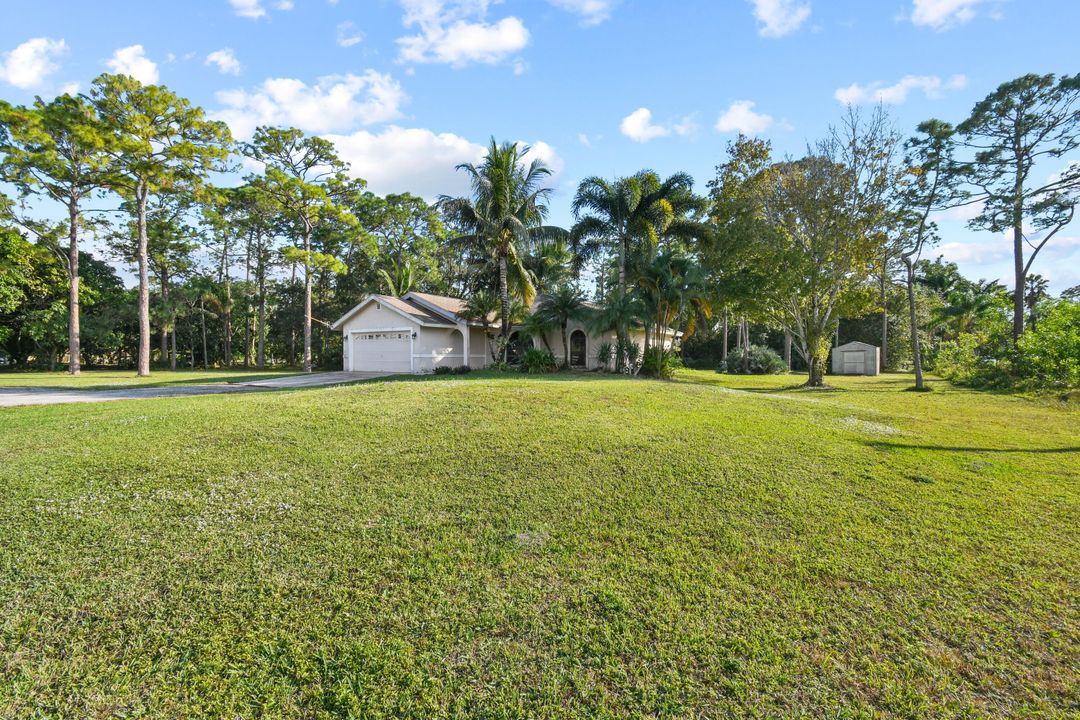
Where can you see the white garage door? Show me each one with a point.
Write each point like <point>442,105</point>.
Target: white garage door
<point>386,351</point>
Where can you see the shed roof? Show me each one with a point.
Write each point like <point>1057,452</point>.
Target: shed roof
<point>855,344</point>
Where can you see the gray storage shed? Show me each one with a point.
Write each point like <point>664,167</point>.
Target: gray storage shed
<point>856,358</point>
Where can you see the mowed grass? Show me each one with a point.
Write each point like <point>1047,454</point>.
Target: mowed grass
<point>120,379</point>
<point>572,546</point>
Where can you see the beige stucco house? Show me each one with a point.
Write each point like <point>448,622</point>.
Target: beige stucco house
<point>417,332</point>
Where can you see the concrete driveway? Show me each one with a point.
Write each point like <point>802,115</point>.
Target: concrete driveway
<point>13,396</point>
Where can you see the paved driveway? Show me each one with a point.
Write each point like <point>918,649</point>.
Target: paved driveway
<point>12,396</point>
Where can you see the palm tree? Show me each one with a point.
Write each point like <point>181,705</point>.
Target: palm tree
<point>402,280</point>
<point>551,265</point>
<point>614,215</point>
<point>965,307</point>
<point>673,286</point>
<point>482,306</point>
<point>504,217</point>
<point>536,325</point>
<point>559,308</point>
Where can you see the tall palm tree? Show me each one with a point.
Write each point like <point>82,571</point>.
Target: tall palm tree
<point>504,218</point>
<point>615,216</point>
<point>559,308</point>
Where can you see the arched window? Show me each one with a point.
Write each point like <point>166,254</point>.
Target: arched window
<point>577,349</point>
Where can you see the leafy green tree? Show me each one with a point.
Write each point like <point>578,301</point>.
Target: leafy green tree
<point>58,149</point>
<point>819,255</point>
<point>503,218</point>
<point>1025,121</point>
<point>159,143</point>
<point>306,180</point>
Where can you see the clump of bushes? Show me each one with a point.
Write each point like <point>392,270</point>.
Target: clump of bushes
<point>452,370</point>
<point>1046,357</point>
<point>760,360</point>
<point>660,363</point>
<point>536,361</point>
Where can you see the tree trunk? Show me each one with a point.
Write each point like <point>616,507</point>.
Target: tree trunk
<point>172,353</point>
<point>724,347</point>
<point>746,346</point>
<point>884,320</point>
<point>787,349</point>
<point>164,342</point>
<point>307,299</point>
<point>504,307</point>
<point>144,284</point>
<point>73,289</point>
<point>565,347</point>
<point>620,327</point>
<point>1020,280</point>
<point>260,355</point>
<point>202,315</point>
<point>916,350</point>
<point>247,305</point>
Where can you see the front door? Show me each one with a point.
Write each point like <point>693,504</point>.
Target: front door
<point>578,357</point>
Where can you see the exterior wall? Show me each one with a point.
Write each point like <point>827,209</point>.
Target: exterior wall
<point>437,346</point>
<point>371,317</point>
<point>479,352</point>
<point>430,347</point>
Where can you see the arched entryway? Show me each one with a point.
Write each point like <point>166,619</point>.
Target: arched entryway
<point>578,349</point>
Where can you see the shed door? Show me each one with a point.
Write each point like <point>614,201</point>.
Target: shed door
<point>854,362</point>
<point>388,351</point>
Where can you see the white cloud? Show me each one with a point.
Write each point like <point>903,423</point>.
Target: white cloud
<point>348,35</point>
<point>71,88</point>
<point>777,18</point>
<point>29,64</point>
<point>334,102</point>
<point>932,87</point>
<point>584,140</point>
<point>455,32</point>
<point>943,14</point>
<point>226,61</point>
<point>419,161</point>
<point>638,126</point>
<point>592,12</point>
<point>132,61</point>
<point>520,67</point>
<point>284,4</point>
<point>248,8</point>
<point>740,117</point>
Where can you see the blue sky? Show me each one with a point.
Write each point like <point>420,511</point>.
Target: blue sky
<point>408,88</point>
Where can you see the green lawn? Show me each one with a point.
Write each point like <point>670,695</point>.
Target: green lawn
<point>507,547</point>
<point>118,379</point>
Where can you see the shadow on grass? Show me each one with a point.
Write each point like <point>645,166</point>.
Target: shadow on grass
<point>882,445</point>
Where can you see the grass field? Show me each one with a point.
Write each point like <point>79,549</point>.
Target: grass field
<point>505,547</point>
<point>119,379</point>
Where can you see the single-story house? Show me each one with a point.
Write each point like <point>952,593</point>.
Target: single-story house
<point>417,332</point>
<point>856,358</point>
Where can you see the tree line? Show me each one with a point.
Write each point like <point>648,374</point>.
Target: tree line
<point>253,273</point>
